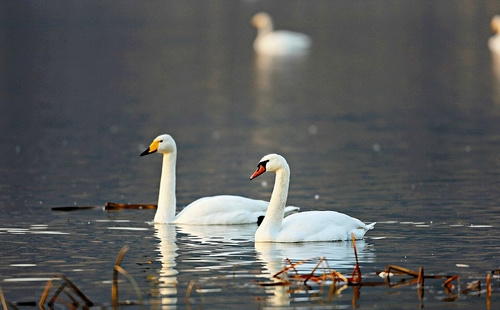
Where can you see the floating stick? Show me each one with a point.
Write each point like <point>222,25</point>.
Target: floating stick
<point>109,206</point>
<point>120,206</point>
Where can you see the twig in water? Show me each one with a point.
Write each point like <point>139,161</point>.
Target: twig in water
<point>45,293</point>
<point>2,297</point>
<point>292,266</point>
<point>118,269</point>
<point>56,294</point>
<point>114,286</point>
<point>488,291</point>
<point>356,271</point>
<point>192,284</point>
<point>109,206</point>
<point>448,287</point>
<point>420,283</point>
<point>63,288</point>
<point>314,269</point>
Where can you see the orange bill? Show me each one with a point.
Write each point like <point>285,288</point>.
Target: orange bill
<point>260,170</point>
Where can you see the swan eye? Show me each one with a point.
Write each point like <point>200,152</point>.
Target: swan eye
<point>161,141</point>
<point>263,163</point>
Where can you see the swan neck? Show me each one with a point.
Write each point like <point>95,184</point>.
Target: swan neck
<point>265,29</point>
<point>166,197</point>
<point>276,210</point>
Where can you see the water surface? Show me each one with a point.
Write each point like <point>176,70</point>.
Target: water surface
<point>392,117</point>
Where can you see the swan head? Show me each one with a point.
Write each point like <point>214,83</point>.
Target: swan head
<point>163,144</point>
<point>270,162</point>
<point>262,20</point>
<point>495,24</point>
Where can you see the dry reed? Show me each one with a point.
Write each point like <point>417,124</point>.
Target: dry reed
<point>118,269</point>
<point>67,287</point>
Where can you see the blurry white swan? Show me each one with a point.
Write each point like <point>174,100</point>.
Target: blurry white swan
<point>494,41</point>
<point>303,226</point>
<point>280,42</point>
<point>224,209</point>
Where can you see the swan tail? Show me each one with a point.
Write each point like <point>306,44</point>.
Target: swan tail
<point>291,209</point>
<point>370,226</point>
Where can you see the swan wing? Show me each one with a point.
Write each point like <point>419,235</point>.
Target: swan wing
<point>321,226</point>
<point>224,210</point>
<point>282,42</point>
<point>494,44</point>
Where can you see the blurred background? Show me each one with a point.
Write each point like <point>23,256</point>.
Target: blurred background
<point>395,104</point>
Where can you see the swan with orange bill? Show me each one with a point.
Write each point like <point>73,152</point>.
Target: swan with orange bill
<point>302,226</point>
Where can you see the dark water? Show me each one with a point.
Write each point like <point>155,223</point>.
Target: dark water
<point>393,117</point>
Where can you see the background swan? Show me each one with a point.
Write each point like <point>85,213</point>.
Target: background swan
<point>224,209</point>
<point>280,42</point>
<point>494,41</point>
<point>303,226</point>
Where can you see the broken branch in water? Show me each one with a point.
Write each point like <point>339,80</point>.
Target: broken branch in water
<point>109,206</point>
<point>67,284</point>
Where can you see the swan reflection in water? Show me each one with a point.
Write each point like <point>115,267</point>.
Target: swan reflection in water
<point>276,86</point>
<point>496,79</point>
<point>276,74</point>
<point>167,252</point>
<point>340,256</point>
<point>219,233</point>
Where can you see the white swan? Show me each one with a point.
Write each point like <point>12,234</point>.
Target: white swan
<point>224,209</point>
<point>303,226</point>
<point>280,42</point>
<point>494,41</point>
